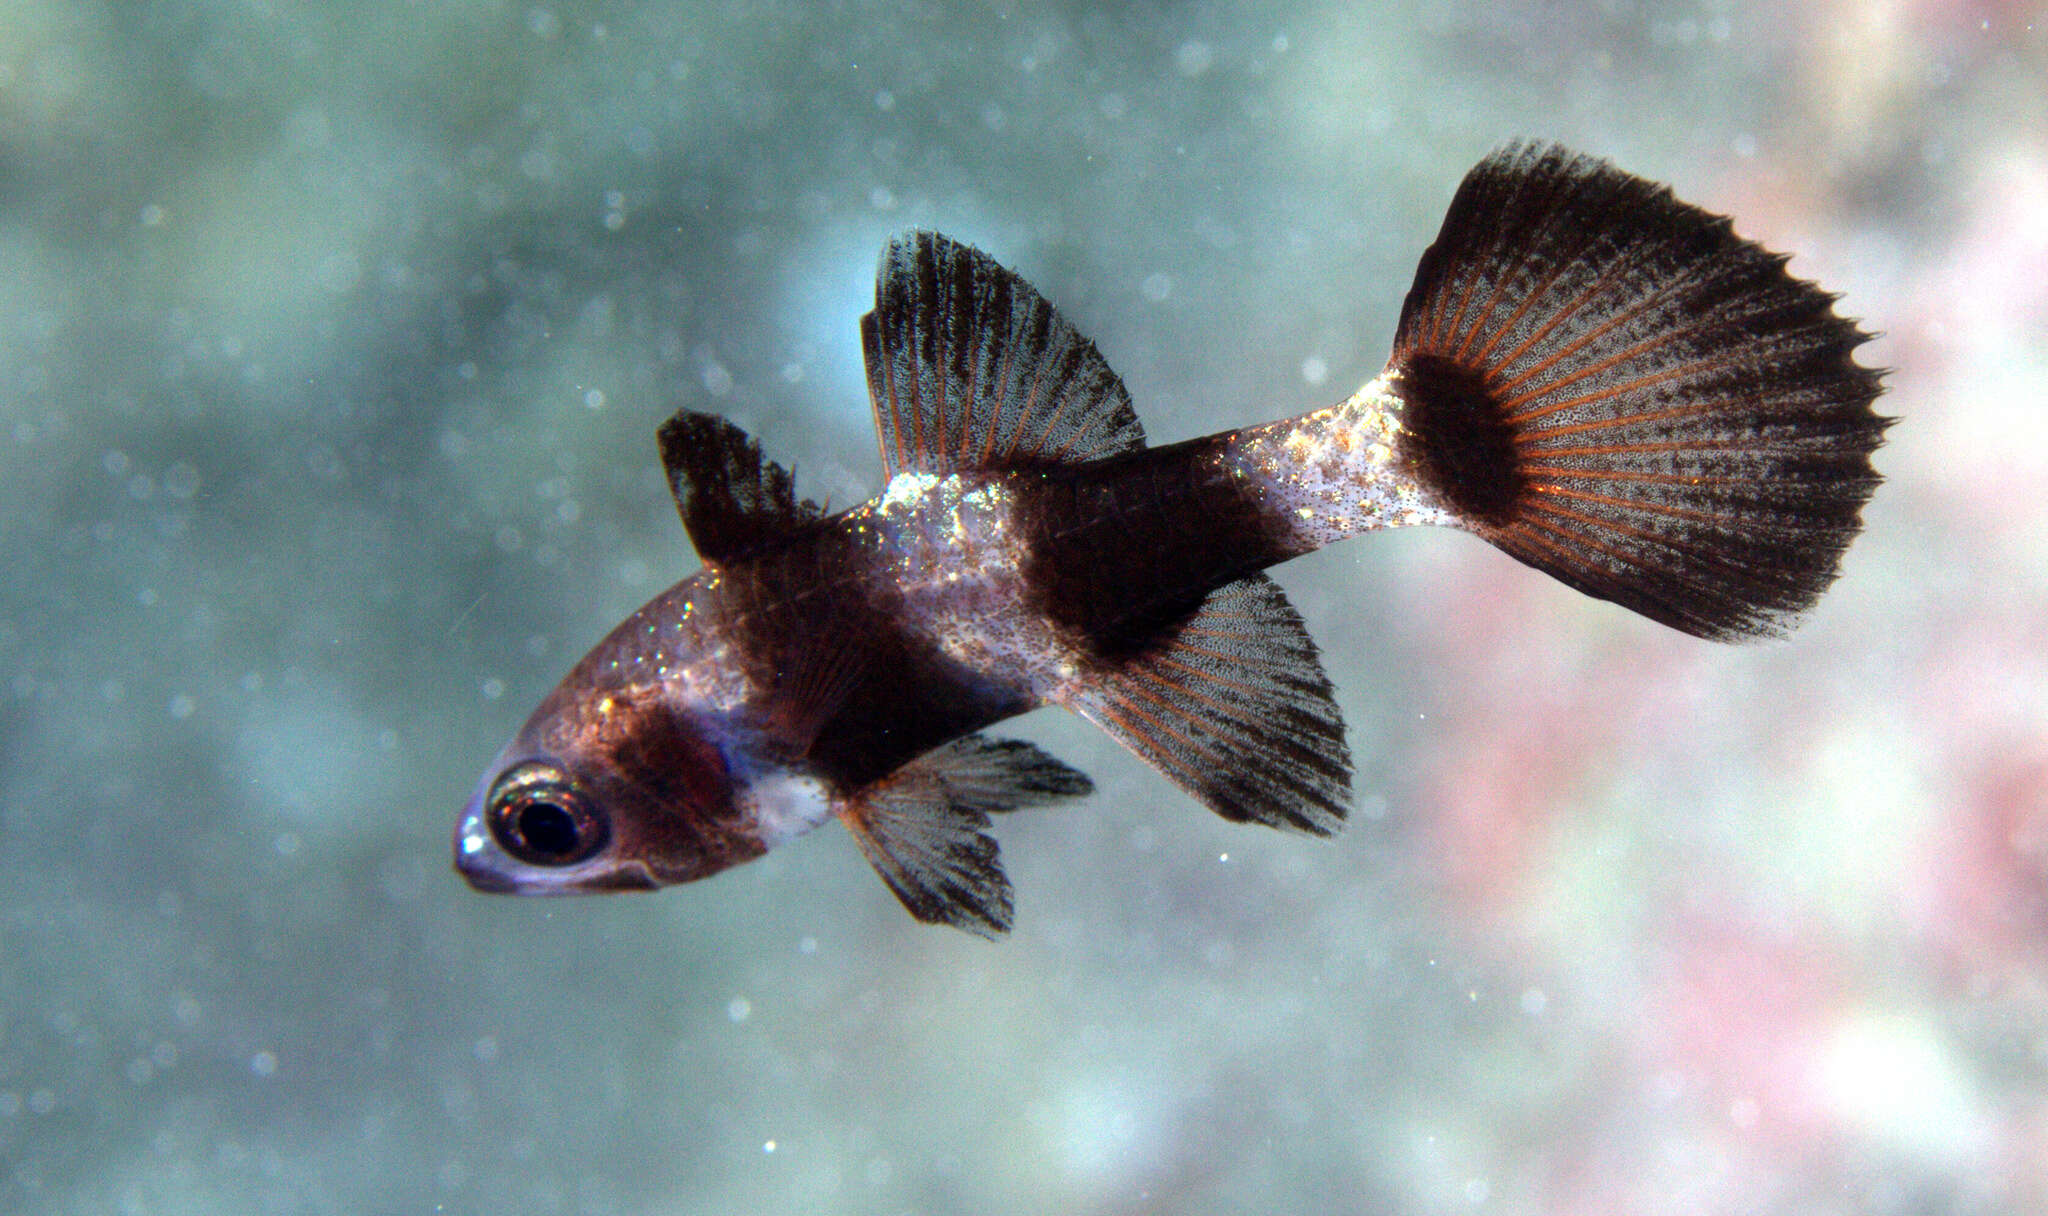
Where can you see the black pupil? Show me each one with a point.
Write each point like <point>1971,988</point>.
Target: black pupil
<point>547,829</point>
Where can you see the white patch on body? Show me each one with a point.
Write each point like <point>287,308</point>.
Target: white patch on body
<point>957,552</point>
<point>1335,473</point>
<point>904,490</point>
<point>782,806</point>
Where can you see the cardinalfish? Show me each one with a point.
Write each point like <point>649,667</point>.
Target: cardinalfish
<point>1601,380</point>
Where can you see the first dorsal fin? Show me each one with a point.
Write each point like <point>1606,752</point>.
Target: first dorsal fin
<point>969,368</point>
<point>732,499</point>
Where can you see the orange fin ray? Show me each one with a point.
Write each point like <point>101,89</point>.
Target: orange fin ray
<point>970,368</point>
<point>1242,719</point>
<point>1698,408</point>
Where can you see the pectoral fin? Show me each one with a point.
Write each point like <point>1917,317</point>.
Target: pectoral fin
<point>924,826</point>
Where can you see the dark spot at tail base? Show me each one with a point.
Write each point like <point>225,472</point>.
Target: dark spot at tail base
<point>1458,440</point>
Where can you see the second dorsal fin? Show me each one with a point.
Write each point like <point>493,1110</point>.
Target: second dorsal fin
<point>970,368</point>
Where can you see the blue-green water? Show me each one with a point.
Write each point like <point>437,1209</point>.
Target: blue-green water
<point>332,343</point>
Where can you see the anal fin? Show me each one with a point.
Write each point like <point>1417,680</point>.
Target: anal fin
<point>1232,705</point>
<point>924,827</point>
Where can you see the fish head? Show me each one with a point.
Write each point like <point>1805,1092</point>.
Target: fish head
<point>611,792</point>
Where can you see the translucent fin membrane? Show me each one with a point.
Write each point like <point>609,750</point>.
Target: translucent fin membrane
<point>970,368</point>
<point>1232,705</point>
<point>733,499</point>
<point>925,827</point>
<point>1610,385</point>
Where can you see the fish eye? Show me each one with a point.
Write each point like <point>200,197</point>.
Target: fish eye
<point>536,813</point>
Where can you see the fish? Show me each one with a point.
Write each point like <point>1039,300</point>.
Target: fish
<point>1603,381</point>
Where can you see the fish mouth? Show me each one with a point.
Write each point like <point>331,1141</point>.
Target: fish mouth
<point>477,870</point>
<point>492,881</point>
<point>628,877</point>
<point>495,874</point>
<point>487,868</point>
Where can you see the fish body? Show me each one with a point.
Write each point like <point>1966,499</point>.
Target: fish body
<point>1597,378</point>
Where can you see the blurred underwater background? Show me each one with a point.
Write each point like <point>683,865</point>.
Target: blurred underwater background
<point>333,338</point>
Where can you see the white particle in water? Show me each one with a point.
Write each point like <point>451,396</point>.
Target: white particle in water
<point>181,481</point>
<point>1194,57</point>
